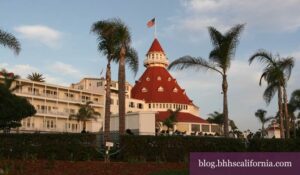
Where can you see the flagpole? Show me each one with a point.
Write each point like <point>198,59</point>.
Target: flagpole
<point>155,28</point>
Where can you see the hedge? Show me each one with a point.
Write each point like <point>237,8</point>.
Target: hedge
<point>133,148</point>
<point>174,148</point>
<point>48,146</point>
<point>274,145</point>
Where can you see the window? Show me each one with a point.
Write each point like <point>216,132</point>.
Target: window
<point>147,79</point>
<point>72,111</point>
<point>205,128</point>
<point>144,89</point>
<point>175,90</point>
<point>160,89</point>
<point>140,105</point>
<point>215,128</point>
<point>99,84</point>
<point>149,106</point>
<point>169,79</point>
<point>96,99</point>
<point>131,105</point>
<point>158,78</point>
<point>50,124</point>
<point>195,127</point>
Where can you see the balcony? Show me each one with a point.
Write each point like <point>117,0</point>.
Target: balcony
<point>68,99</point>
<point>57,113</point>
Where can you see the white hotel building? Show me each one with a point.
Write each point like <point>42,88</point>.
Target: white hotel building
<point>147,102</point>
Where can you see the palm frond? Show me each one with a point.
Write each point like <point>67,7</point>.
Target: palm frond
<point>132,60</point>
<point>215,36</point>
<point>269,92</point>
<point>186,62</point>
<point>286,65</point>
<point>263,57</point>
<point>10,41</point>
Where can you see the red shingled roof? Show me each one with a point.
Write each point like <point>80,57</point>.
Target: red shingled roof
<point>155,47</point>
<point>181,117</point>
<point>150,81</point>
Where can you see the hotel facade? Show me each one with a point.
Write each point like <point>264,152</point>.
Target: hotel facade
<point>147,102</point>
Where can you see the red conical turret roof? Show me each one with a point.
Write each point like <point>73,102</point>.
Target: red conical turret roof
<point>155,47</point>
<point>156,85</point>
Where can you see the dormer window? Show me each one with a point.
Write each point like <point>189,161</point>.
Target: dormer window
<point>169,79</point>
<point>144,89</point>
<point>160,89</point>
<point>158,78</point>
<point>175,90</point>
<point>147,79</point>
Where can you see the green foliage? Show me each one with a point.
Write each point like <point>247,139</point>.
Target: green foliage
<point>10,41</point>
<point>36,77</point>
<point>274,145</point>
<point>85,113</point>
<point>171,120</point>
<point>12,108</point>
<point>174,148</point>
<point>49,146</point>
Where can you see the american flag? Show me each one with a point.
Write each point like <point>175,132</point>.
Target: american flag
<point>151,23</point>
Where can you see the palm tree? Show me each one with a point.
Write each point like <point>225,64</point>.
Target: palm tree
<point>293,106</point>
<point>129,55</point>
<point>261,115</point>
<point>172,118</point>
<point>36,77</point>
<point>217,118</point>
<point>107,45</point>
<point>276,73</point>
<point>85,113</point>
<point>219,60</point>
<point>8,40</point>
<point>107,32</point>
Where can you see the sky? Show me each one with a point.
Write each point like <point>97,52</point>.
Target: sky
<point>56,41</point>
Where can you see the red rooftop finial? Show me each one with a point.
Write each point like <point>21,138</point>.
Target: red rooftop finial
<point>155,47</point>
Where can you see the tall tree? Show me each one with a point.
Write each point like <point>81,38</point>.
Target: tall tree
<point>10,41</point>
<point>85,113</point>
<point>126,54</point>
<point>276,73</point>
<point>261,116</point>
<point>172,118</point>
<point>36,77</point>
<point>224,47</point>
<point>106,45</point>
<point>293,106</point>
<point>108,36</point>
<point>12,108</point>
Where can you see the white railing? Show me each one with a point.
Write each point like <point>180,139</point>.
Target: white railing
<point>56,97</point>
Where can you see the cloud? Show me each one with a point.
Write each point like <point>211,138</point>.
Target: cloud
<point>24,70</point>
<point>261,15</point>
<point>65,69</point>
<point>20,69</point>
<point>40,33</point>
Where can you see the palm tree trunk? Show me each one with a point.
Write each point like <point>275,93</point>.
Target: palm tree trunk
<point>294,127</point>
<point>84,125</point>
<point>286,113</point>
<point>225,105</point>
<point>262,130</point>
<point>107,103</point>
<point>280,112</point>
<point>121,78</point>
